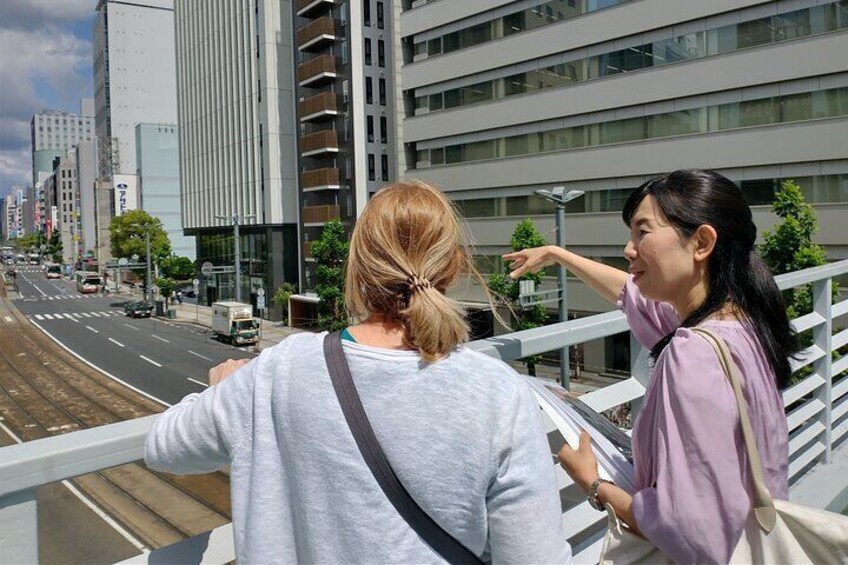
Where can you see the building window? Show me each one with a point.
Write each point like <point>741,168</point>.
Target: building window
<point>370,121</point>
<point>367,51</point>
<point>384,167</point>
<point>369,90</point>
<point>371,167</point>
<point>380,22</point>
<point>381,52</point>
<point>383,129</point>
<point>366,12</point>
<point>382,92</point>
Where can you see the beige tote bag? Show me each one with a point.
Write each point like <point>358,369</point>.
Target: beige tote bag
<point>777,531</point>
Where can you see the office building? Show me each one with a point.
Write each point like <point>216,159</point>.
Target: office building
<point>346,112</point>
<point>85,157</point>
<point>237,140</point>
<point>158,177</point>
<point>134,74</point>
<point>504,98</point>
<point>53,132</point>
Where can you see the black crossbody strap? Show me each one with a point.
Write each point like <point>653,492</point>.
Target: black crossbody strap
<point>437,538</point>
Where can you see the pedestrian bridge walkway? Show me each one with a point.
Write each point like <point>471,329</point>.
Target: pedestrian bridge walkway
<point>817,414</point>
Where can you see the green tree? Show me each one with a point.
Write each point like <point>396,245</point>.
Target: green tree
<point>281,297</point>
<point>55,247</point>
<point>128,236</point>
<point>330,252</point>
<point>506,290</point>
<point>789,247</point>
<point>178,268</point>
<point>167,286</point>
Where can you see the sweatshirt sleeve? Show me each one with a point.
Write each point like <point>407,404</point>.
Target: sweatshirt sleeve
<point>203,431</point>
<point>697,507</point>
<point>525,491</point>
<point>649,320</point>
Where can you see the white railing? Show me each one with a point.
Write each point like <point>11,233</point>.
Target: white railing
<point>816,413</point>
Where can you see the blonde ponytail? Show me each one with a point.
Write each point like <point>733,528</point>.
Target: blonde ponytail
<point>406,250</point>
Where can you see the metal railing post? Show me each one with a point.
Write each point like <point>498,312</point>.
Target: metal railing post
<point>19,534</point>
<point>640,369</point>
<point>823,339</point>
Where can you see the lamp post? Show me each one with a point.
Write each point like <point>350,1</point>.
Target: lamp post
<point>559,197</point>
<point>235,218</point>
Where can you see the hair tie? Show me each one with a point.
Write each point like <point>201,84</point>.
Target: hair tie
<point>416,283</point>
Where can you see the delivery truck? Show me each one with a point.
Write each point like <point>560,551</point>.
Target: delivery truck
<point>234,322</point>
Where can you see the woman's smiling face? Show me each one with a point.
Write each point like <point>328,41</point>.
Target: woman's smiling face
<point>662,262</point>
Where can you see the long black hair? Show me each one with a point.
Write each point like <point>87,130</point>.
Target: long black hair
<point>736,274</point>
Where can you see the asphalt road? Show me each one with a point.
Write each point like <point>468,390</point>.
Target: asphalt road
<point>163,359</point>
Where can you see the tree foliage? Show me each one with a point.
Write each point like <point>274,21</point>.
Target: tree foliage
<point>178,268</point>
<point>55,247</point>
<point>128,236</point>
<point>281,297</point>
<point>506,290</point>
<point>167,286</point>
<point>330,252</point>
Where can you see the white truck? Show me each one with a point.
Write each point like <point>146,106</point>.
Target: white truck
<point>234,322</point>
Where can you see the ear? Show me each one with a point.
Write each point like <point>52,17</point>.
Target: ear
<point>704,240</point>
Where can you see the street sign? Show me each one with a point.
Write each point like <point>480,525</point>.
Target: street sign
<point>195,283</point>
<point>206,268</point>
<point>260,302</point>
<point>123,262</point>
<point>260,292</point>
<point>218,270</point>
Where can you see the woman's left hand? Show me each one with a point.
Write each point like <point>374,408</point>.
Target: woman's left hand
<point>580,463</point>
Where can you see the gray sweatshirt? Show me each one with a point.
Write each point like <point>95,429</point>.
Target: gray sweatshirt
<point>464,436</point>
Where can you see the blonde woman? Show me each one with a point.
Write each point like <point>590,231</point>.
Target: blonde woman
<point>460,429</point>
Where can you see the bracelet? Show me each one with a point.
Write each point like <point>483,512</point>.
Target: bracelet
<point>594,500</point>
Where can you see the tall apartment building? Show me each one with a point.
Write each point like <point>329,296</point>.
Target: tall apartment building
<point>158,176</point>
<point>134,72</point>
<point>504,98</point>
<point>85,158</point>
<point>346,111</point>
<point>53,132</point>
<point>237,139</point>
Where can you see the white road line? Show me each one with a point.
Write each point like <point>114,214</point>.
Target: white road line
<point>86,315</point>
<point>39,317</point>
<point>48,316</point>
<point>77,314</point>
<point>107,314</point>
<point>131,326</point>
<point>71,319</point>
<point>95,314</point>
<point>197,382</point>
<point>151,361</point>
<point>199,355</point>
<point>160,338</point>
<point>94,508</point>
<point>92,329</point>
<point>118,343</point>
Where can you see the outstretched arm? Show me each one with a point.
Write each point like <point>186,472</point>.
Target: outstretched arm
<point>603,279</point>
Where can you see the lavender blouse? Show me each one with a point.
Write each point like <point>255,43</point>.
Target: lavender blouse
<point>693,489</point>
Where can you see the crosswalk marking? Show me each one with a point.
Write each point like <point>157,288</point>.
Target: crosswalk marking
<point>86,315</point>
<point>77,314</point>
<point>95,314</point>
<point>48,316</point>
<point>39,317</point>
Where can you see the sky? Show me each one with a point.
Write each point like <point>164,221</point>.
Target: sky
<point>45,63</point>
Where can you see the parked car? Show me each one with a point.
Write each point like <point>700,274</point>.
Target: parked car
<point>139,309</point>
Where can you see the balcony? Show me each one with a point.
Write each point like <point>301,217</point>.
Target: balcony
<point>317,34</point>
<point>818,453</point>
<point>310,8</point>
<point>316,108</point>
<point>318,215</point>
<point>326,178</point>
<point>316,71</point>
<point>325,141</point>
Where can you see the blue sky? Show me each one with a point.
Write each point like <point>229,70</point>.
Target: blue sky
<point>45,63</point>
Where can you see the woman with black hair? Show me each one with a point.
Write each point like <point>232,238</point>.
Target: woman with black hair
<point>692,263</point>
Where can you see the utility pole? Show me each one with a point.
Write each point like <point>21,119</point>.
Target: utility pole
<point>149,286</point>
<point>236,219</point>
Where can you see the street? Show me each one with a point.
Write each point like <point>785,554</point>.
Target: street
<point>164,360</point>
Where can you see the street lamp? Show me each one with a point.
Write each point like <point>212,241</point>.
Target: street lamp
<point>559,197</point>
<point>235,218</point>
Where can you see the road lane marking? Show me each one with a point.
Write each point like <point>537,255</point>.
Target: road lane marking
<point>107,314</point>
<point>48,316</point>
<point>130,326</point>
<point>92,329</point>
<point>151,361</point>
<point>71,319</point>
<point>86,315</point>
<point>95,314</point>
<point>118,343</point>
<point>199,355</point>
<point>77,315</point>
<point>198,382</point>
<point>39,317</point>
<point>160,338</point>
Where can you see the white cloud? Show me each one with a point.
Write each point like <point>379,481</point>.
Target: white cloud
<point>31,14</point>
